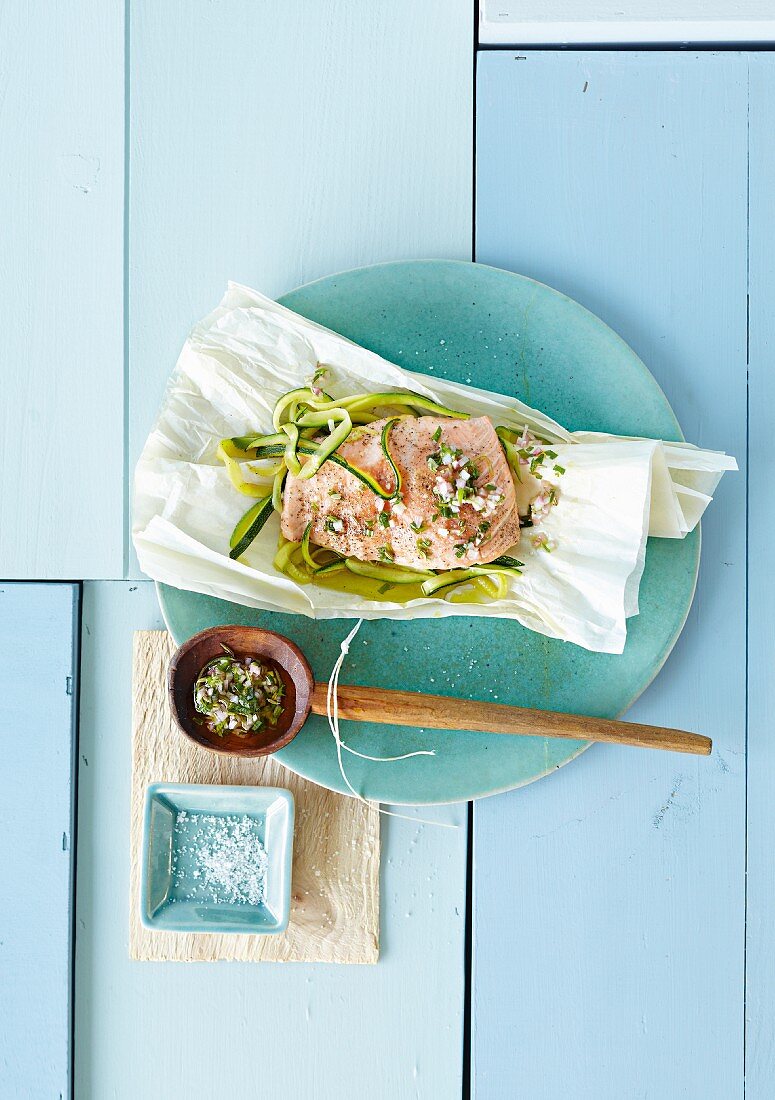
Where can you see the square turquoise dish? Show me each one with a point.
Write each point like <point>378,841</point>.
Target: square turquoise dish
<point>217,859</point>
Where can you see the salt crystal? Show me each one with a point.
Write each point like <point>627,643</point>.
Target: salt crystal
<point>230,862</point>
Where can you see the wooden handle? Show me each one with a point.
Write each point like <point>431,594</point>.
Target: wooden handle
<point>409,708</point>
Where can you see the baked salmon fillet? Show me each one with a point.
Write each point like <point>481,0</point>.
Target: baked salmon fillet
<point>457,505</point>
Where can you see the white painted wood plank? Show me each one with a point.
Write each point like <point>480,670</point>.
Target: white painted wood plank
<point>595,11</point>
<point>290,145</point>
<point>609,899</point>
<point>38,637</point>
<point>553,22</point>
<point>61,274</point>
<point>760,942</point>
<point>245,1030</point>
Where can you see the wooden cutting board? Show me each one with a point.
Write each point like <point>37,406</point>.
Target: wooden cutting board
<point>335,885</point>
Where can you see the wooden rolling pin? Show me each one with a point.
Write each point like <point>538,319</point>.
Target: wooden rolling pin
<point>409,708</point>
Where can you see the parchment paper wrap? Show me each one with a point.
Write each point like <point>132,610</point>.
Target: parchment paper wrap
<point>250,350</point>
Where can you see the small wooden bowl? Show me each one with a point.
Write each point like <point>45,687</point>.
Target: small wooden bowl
<point>244,641</point>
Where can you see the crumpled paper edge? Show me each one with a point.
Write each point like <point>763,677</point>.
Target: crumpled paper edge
<point>679,482</point>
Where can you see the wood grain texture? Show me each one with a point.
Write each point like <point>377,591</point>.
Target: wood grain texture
<point>335,882</point>
<point>291,145</point>
<point>38,627</point>
<point>61,273</point>
<point>609,899</point>
<point>440,712</point>
<point>238,1030</point>
<point>760,929</point>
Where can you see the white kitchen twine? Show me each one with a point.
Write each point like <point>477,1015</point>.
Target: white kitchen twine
<point>332,712</point>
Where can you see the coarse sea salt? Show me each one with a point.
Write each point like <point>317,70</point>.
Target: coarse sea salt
<point>219,859</point>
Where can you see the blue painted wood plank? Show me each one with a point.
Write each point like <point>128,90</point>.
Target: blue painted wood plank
<point>256,1029</point>
<point>609,898</point>
<point>294,142</point>
<point>760,938</point>
<point>61,289</point>
<point>38,637</point>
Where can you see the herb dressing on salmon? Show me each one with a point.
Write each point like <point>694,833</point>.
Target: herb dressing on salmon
<point>456,507</point>
<point>392,489</point>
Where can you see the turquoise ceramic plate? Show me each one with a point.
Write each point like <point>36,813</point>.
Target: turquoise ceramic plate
<point>506,333</point>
